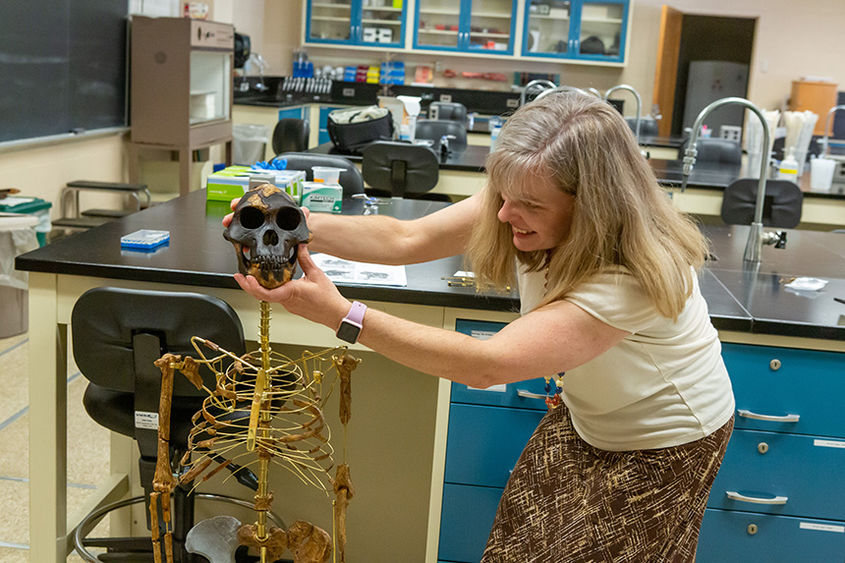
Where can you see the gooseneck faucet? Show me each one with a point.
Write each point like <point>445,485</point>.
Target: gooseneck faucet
<point>639,105</point>
<point>756,237</point>
<point>827,123</point>
<point>548,84</point>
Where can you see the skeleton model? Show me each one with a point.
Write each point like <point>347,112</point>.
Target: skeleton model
<point>266,409</point>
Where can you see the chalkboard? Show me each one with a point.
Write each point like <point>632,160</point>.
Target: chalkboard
<point>62,67</point>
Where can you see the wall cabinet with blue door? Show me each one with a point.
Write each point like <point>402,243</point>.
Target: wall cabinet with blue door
<point>487,430</point>
<point>779,495</point>
<point>356,22</point>
<point>466,25</point>
<point>587,30</point>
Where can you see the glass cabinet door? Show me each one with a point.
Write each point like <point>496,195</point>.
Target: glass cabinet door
<point>330,21</point>
<point>602,29</point>
<point>438,24</point>
<point>382,22</point>
<point>547,28</point>
<point>491,25</point>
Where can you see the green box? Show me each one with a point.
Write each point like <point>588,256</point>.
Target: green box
<point>320,197</point>
<point>233,181</point>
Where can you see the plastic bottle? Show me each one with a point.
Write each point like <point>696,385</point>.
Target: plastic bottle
<point>788,169</point>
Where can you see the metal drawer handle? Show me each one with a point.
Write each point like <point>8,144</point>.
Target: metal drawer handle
<point>787,418</point>
<point>529,395</point>
<point>733,495</point>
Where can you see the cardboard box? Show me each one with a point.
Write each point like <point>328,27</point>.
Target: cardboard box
<point>320,197</point>
<point>233,181</point>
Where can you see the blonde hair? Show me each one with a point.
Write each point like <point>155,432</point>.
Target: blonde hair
<point>621,216</point>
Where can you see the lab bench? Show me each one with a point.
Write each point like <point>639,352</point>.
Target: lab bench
<point>416,474</point>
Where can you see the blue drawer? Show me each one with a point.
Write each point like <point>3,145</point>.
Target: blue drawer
<point>498,395</point>
<point>727,538</point>
<point>485,442</point>
<point>807,383</point>
<point>807,470</point>
<point>294,113</point>
<point>323,131</point>
<point>465,523</point>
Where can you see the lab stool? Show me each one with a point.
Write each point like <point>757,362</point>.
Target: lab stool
<point>75,219</point>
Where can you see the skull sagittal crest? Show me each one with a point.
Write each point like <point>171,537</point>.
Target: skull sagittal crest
<point>265,230</point>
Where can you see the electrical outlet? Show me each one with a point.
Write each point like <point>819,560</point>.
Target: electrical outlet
<point>512,102</point>
<point>438,66</point>
<point>445,97</point>
<point>349,92</point>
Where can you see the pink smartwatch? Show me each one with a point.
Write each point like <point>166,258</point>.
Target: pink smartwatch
<point>351,325</point>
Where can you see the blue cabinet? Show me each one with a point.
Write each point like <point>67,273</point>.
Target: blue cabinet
<point>356,22</point>
<point>467,25</point>
<point>779,495</point>
<point>488,429</point>
<point>584,30</point>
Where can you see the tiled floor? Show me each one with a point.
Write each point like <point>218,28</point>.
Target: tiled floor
<point>87,449</point>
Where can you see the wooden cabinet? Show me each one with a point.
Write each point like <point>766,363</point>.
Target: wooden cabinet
<point>778,495</point>
<point>587,30</point>
<point>468,25</point>
<point>356,22</point>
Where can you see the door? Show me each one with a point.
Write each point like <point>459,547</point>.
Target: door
<point>468,25</point>
<point>666,73</point>
<point>491,26</point>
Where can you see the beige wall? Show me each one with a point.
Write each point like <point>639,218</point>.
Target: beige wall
<point>42,171</point>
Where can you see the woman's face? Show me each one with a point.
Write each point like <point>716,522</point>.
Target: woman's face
<point>540,217</point>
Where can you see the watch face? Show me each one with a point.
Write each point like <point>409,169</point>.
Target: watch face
<point>348,332</point>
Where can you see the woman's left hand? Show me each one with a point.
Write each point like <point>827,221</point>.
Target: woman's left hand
<point>313,296</point>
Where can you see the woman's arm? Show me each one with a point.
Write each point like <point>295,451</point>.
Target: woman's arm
<point>387,240</point>
<point>554,338</point>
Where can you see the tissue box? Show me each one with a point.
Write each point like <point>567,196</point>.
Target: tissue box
<point>233,181</point>
<point>317,196</point>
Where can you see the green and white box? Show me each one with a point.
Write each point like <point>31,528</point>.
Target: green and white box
<point>318,196</point>
<point>233,181</point>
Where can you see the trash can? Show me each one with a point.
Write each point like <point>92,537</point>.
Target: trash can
<point>17,235</point>
<point>248,143</point>
<point>31,206</point>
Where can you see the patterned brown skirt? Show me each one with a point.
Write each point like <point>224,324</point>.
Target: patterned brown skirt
<point>569,501</point>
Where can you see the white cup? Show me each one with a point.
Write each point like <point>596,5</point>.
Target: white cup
<point>326,174</point>
<point>821,173</point>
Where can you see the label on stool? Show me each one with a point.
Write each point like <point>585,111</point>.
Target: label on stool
<point>146,420</point>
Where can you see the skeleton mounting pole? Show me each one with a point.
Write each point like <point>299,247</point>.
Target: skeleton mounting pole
<point>262,497</point>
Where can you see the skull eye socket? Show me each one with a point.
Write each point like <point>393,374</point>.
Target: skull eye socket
<point>251,217</point>
<point>288,219</point>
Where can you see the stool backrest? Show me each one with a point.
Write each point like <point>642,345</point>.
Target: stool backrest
<point>400,168</point>
<point>291,134</point>
<point>350,178</point>
<point>781,206</point>
<point>434,129</point>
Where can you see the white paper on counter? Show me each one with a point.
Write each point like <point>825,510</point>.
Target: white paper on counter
<point>346,271</point>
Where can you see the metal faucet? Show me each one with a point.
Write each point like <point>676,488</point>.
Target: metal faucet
<point>548,83</point>
<point>639,105</point>
<point>262,64</point>
<point>756,237</point>
<point>827,124</point>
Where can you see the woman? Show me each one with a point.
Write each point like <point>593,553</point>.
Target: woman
<point>606,270</point>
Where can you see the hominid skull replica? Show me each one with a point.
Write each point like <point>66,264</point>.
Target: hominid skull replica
<point>265,230</point>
